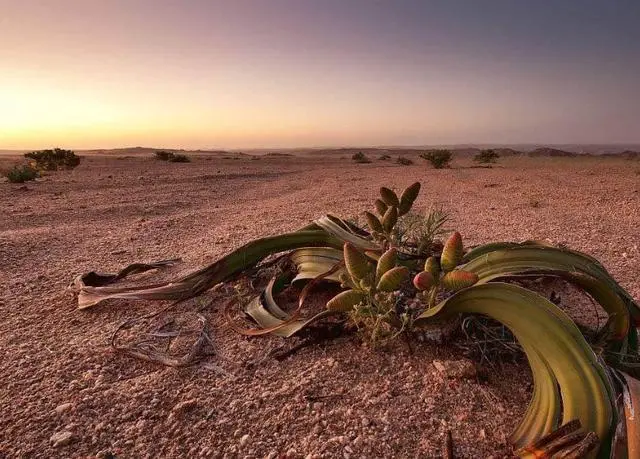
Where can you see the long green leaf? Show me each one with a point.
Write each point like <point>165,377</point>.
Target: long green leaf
<point>528,258</point>
<point>532,255</point>
<point>556,351</point>
<point>202,280</point>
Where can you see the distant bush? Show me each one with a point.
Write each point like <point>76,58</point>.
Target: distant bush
<point>171,157</point>
<point>22,173</point>
<point>438,158</point>
<point>384,157</point>
<point>163,155</point>
<point>179,159</point>
<point>404,161</point>
<point>360,158</point>
<point>52,160</point>
<point>486,157</point>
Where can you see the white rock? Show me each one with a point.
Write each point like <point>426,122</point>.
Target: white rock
<point>99,380</point>
<point>63,408</point>
<point>62,438</point>
<point>456,369</point>
<point>244,440</point>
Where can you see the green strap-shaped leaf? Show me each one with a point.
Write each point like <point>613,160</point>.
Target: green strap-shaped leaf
<point>578,268</point>
<point>533,254</point>
<point>202,280</point>
<point>556,350</point>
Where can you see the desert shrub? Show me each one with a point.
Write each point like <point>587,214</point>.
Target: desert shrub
<point>360,158</point>
<point>278,154</point>
<point>439,159</point>
<point>486,157</point>
<point>171,157</point>
<point>22,173</point>
<point>384,157</point>
<point>404,161</point>
<point>163,155</point>
<point>179,159</point>
<point>51,160</point>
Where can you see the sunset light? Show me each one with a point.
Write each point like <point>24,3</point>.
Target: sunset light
<point>257,73</point>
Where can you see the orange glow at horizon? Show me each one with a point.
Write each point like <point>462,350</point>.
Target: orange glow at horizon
<point>251,74</point>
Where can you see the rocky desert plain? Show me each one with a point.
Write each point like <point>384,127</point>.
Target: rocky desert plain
<point>64,392</point>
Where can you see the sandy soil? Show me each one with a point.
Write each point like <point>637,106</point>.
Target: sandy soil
<point>60,381</point>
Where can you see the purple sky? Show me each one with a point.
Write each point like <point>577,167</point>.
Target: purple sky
<point>92,73</point>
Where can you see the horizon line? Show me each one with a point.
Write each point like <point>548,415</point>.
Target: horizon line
<point>347,146</point>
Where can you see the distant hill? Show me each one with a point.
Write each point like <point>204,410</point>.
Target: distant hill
<point>627,154</point>
<point>137,151</point>
<point>545,151</point>
<point>629,151</point>
<point>507,151</point>
<point>597,149</point>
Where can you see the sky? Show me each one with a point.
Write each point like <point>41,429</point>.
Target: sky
<point>301,73</point>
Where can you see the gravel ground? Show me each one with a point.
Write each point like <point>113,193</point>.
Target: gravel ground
<point>64,393</point>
